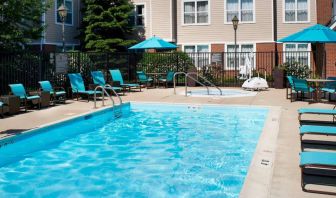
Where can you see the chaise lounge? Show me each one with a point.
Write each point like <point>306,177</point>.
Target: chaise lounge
<point>54,94</point>
<point>117,77</point>
<point>98,79</point>
<point>317,111</point>
<point>78,87</point>
<point>318,161</point>
<point>317,130</point>
<point>19,90</point>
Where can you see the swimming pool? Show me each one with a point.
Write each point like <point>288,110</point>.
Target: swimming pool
<point>154,150</point>
<point>226,93</point>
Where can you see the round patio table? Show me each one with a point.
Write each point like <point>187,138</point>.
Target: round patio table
<point>156,76</point>
<point>317,86</point>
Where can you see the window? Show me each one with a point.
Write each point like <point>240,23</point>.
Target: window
<point>195,12</point>
<point>139,15</point>
<point>299,52</point>
<point>243,51</point>
<point>243,9</point>
<point>68,4</point>
<point>201,58</point>
<point>296,10</point>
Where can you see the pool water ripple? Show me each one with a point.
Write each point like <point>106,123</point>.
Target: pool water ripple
<point>156,153</point>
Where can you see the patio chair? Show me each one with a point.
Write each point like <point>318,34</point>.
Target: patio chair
<point>19,90</point>
<point>169,78</point>
<point>321,163</point>
<point>98,79</point>
<point>117,77</point>
<point>330,87</point>
<point>56,93</point>
<point>291,86</point>
<point>78,87</point>
<point>143,79</point>
<point>300,86</point>
<point>317,111</point>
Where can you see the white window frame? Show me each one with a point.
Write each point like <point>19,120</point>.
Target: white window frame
<point>226,67</point>
<point>72,11</point>
<point>296,50</point>
<point>143,15</point>
<point>195,24</point>
<point>239,15</point>
<point>296,21</point>
<point>196,47</point>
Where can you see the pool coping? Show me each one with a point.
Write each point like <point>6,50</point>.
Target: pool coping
<point>250,94</point>
<point>259,177</point>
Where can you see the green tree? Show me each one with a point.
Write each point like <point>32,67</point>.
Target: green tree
<point>106,25</point>
<point>20,22</point>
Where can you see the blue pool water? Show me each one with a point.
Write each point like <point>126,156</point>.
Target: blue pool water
<point>154,150</point>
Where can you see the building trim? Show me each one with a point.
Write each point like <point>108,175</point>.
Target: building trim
<point>296,22</point>
<point>195,24</point>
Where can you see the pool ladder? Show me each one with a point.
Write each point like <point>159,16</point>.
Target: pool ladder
<point>187,75</point>
<point>117,109</point>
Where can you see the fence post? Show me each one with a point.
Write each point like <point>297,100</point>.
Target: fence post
<point>78,62</point>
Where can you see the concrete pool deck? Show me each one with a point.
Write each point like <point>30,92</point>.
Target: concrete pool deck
<point>286,178</point>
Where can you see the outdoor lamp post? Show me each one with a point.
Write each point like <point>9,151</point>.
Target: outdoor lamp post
<point>235,22</point>
<point>63,11</point>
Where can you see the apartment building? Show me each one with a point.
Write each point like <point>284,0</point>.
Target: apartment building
<point>206,25</point>
<point>52,36</point>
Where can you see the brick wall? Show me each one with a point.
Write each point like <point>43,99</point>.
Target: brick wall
<point>330,59</point>
<point>324,11</point>
<point>217,47</point>
<point>265,57</point>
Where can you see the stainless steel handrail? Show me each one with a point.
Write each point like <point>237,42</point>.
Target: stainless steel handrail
<point>103,95</point>
<point>174,80</point>
<point>206,80</point>
<point>192,78</point>
<point>109,87</point>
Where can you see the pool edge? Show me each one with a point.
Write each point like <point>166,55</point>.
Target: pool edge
<point>260,173</point>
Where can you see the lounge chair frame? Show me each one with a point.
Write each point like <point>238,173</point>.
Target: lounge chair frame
<point>325,167</point>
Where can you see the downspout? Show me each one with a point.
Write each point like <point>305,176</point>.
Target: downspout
<point>174,20</point>
<point>275,32</point>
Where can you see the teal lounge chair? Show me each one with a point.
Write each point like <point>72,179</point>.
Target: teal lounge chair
<point>78,87</point>
<point>319,161</point>
<point>291,87</point>
<point>98,79</point>
<point>330,87</point>
<point>317,130</point>
<point>2,109</point>
<point>117,77</point>
<point>143,79</point>
<point>169,78</point>
<point>300,86</point>
<point>317,111</point>
<point>56,93</point>
<point>19,90</point>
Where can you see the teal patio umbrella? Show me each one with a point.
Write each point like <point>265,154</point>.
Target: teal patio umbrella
<point>314,34</point>
<point>153,43</point>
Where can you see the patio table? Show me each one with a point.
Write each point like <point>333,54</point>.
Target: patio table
<point>317,86</point>
<point>155,76</point>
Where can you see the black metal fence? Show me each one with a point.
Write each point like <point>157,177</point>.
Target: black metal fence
<point>220,68</point>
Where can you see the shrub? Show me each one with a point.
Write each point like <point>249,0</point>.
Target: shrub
<point>163,62</point>
<point>296,69</point>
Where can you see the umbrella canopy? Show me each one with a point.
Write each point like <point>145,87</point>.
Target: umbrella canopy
<point>314,34</point>
<point>154,43</point>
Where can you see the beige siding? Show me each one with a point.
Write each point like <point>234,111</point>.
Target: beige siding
<point>158,18</point>
<point>285,29</point>
<point>219,32</point>
<point>53,32</point>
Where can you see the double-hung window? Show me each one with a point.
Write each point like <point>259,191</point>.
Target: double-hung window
<point>243,51</point>
<point>243,9</point>
<point>296,10</point>
<point>139,15</point>
<point>195,12</point>
<point>297,52</point>
<point>69,5</point>
<point>199,55</point>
